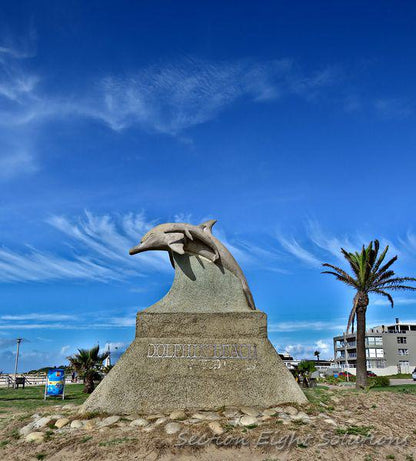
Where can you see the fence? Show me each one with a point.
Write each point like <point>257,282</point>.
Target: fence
<point>8,380</point>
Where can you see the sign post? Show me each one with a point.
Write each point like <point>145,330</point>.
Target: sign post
<point>55,383</point>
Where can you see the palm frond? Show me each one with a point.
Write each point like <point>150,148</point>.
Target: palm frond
<point>387,295</point>
<point>387,265</point>
<point>352,314</point>
<point>343,279</point>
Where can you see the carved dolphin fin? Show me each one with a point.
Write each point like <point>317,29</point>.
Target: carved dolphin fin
<point>207,225</point>
<point>175,241</point>
<point>188,234</point>
<point>177,248</point>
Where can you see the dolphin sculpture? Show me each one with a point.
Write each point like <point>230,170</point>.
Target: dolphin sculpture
<point>184,238</point>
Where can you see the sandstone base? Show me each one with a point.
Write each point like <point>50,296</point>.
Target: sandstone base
<point>220,359</point>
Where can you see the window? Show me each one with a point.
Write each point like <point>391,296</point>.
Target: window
<point>380,363</point>
<point>371,353</point>
<point>374,341</point>
<point>403,351</point>
<point>401,340</point>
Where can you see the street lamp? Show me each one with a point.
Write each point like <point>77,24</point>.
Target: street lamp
<point>18,340</point>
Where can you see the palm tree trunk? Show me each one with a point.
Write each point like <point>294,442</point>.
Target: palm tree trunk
<point>361,368</point>
<point>88,384</point>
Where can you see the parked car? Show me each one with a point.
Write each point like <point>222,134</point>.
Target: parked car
<point>344,374</point>
<point>414,375</point>
<point>370,374</point>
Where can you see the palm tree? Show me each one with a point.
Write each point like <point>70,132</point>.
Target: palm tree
<point>317,354</point>
<point>368,276</point>
<point>87,363</point>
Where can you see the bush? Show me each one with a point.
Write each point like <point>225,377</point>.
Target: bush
<point>379,381</point>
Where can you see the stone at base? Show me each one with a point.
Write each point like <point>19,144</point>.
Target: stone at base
<point>221,359</point>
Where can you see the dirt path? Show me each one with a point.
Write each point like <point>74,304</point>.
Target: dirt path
<point>338,425</point>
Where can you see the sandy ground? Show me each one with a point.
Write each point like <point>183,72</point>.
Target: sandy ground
<point>365,426</point>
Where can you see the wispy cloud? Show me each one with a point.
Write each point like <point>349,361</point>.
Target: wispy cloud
<point>166,97</point>
<point>307,326</point>
<point>397,301</point>
<point>305,350</point>
<point>392,108</point>
<point>95,247</point>
<point>16,163</point>
<point>39,317</point>
<point>317,246</point>
<point>292,246</point>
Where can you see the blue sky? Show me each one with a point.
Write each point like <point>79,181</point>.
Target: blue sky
<point>293,124</point>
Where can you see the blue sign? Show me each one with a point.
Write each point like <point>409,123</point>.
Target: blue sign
<point>55,382</point>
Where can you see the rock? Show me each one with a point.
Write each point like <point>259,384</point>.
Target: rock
<point>335,399</point>
<point>55,417</point>
<point>139,422</point>
<point>234,421</point>
<point>160,421</point>
<point>330,421</point>
<point>26,429</point>
<point>248,420</point>
<point>216,428</point>
<point>172,428</point>
<point>178,415</point>
<point>110,421</point>
<point>69,406</point>
<point>192,421</point>
<point>206,415</point>
<point>89,425</point>
<point>283,416</point>
<point>42,422</point>
<point>301,416</point>
<point>61,422</point>
<point>148,429</point>
<point>277,409</point>
<point>36,416</point>
<point>37,437</point>
<point>265,418</point>
<point>269,412</point>
<point>249,411</point>
<point>154,417</point>
<point>231,413</point>
<point>76,424</point>
<point>291,410</point>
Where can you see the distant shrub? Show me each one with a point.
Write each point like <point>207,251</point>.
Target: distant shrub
<point>379,381</point>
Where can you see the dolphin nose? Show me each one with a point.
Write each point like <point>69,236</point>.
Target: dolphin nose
<point>137,249</point>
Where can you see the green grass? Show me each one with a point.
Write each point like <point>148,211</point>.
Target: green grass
<point>319,398</point>
<point>355,430</point>
<point>400,376</point>
<point>404,389</point>
<point>32,397</point>
<point>86,438</point>
<point>116,441</point>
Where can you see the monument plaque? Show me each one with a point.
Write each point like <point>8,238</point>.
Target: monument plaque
<point>204,345</point>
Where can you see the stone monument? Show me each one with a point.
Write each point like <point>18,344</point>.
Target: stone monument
<point>204,345</point>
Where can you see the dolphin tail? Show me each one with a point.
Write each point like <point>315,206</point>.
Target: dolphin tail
<point>207,225</point>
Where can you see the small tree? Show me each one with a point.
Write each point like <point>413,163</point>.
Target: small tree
<point>87,363</point>
<point>317,354</point>
<point>305,369</point>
